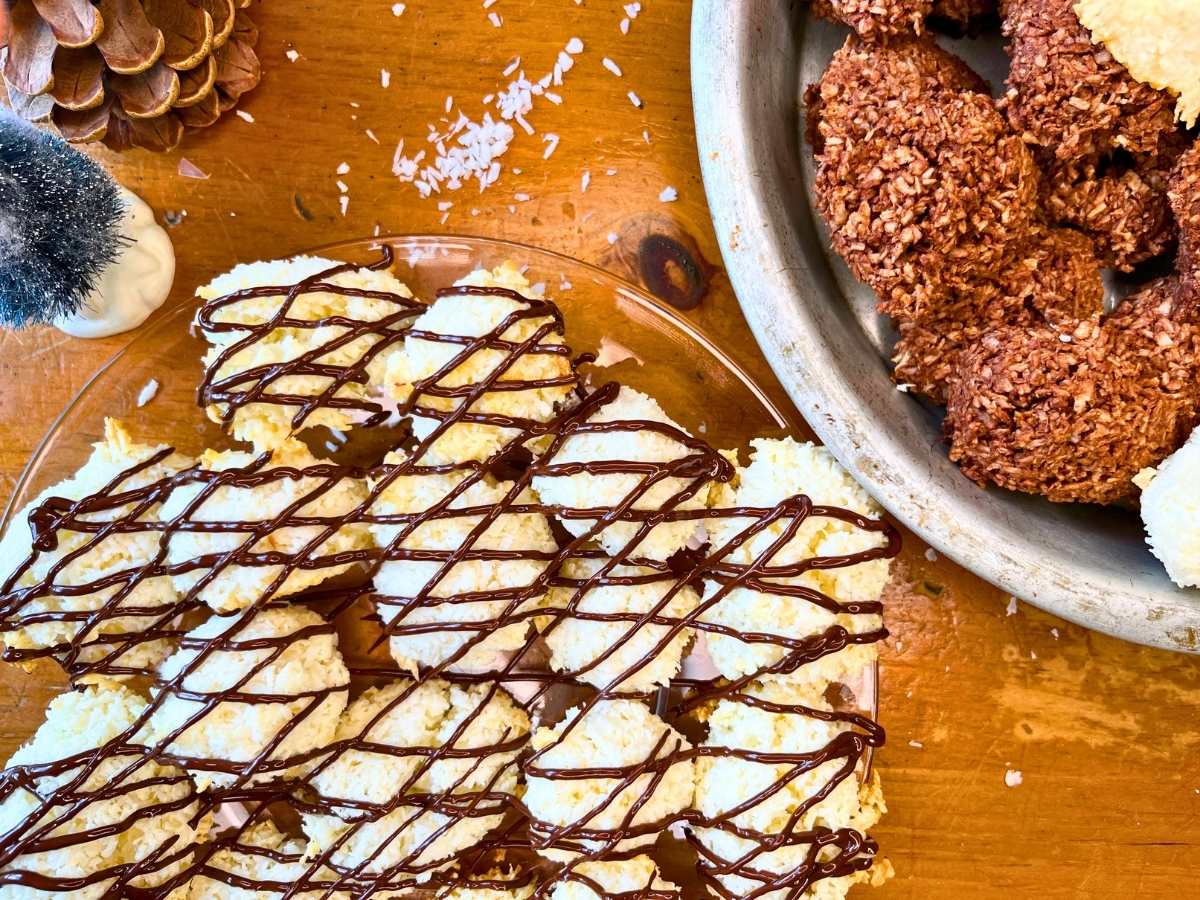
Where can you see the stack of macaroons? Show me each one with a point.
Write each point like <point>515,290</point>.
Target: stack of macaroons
<point>542,560</point>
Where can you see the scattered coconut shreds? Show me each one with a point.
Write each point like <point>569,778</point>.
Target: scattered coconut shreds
<point>449,104</point>
<point>611,66</point>
<point>584,181</point>
<point>444,217</point>
<point>398,9</point>
<point>342,186</point>
<point>668,195</point>
<point>466,150</point>
<point>646,136</point>
<point>495,19</point>
<point>1012,777</point>
<point>488,4</point>
<point>1011,609</point>
<point>635,99</point>
<point>931,554</point>
<point>564,284</point>
<point>344,203</point>
<point>632,9</point>
<point>612,237</point>
<point>245,116</point>
<point>610,172</point>
<point>916,745</point>
<point>624,26</point>
<point>292,55</point>
<point>369,133</point>
<point>147,393</point>
<point>521,198</point>
<point>331,446</point>
<point>188,169</point>
<point>551,141</point>
<point>385,77</point>
<point>354,104</point>
<point>444,205</point>
<point>343,168</point>
<point>1054,633</point>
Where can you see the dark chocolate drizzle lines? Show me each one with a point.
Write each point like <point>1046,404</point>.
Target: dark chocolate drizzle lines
<point>267,785</point>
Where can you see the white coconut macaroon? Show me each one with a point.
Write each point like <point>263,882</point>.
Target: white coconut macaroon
<point>234,583</point>
<point>115,641</point>
<point>138,829</point>
<point>270,861</point>
<point>291,686</point>
<point>415,594</point>
<point>493,370</point>
<point>1171,511</point>
<point>726,783</point>
<point>597,879</point>
<point>268,423</point>
<point>610,734</point>
<point>380,831</point>
<point>647,654</point>
<point>592,490</point>
<point>780,469</point>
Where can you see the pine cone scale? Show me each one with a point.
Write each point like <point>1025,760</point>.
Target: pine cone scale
<point>188,30</point>
<point>30,61</point>
<point>75,23</point>
<point>85,124</point>
<point>78,78</point>
<point>147,94</point>
<point>196,84</point>
<point>130,44</point>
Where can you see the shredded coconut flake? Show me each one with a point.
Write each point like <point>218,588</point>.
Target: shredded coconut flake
<point>245,116</point>
<point>344,203</point>
<point>574,46</point>
<point>369,133</point>
<point>611,66</point>
<point>1012,778</point>
<point>931,554</point>
<point>495,19</point>
<point>551,141</point>
<point>292,55</point>
<point>584,181</point>
<point>636,101</point>
<point>668,195</point>
<point>612,237</point>
<point>147,393</point>
<point>385,77</point>
<point>398,9</point>
<point>1011,609</point>
<point>343,168</point>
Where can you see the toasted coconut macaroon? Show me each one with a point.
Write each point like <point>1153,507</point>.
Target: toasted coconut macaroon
<point>422,773</point>
<point>626,458</point>
<point>240,506</point>
<point>805,624</point>
<point>777,768</point>
<point>1075,417</point>
<point>601,878</point>
<point>1104,139</point>
<point>645,787</point>
<point>889,19</point>
<point>89,631</point>
<point>496,884</point>
<point>310,352</point>
<point>262,863</point>
<point>918,177</point>
<point>1170,507</point>
<point>620,629</point>
<point>250,698</point>
<point>481,366</point>
<point>1123,209</point>
<point>485,581</point>
<point>1053,278</point>
<point>84,811</point>
<point>1185,204</point>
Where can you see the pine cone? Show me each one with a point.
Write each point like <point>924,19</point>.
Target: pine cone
<point>130,73</point>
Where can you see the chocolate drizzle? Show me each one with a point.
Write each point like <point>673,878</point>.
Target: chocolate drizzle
<point>260,788</point>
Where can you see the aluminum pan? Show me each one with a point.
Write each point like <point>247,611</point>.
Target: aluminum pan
<point>817,327</point>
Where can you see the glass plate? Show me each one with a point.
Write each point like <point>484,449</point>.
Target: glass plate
<point>640,342</point>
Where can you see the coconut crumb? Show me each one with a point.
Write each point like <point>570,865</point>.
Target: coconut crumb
<point>668,195</point>
<point>611,66</point>
<point>635,100</point>
<point>344,203</point>
<point>385,77</point>
<point>1012,777</point>
<point>931,554</point>
<point>398,9</point>
<point>148,392</point>
<point>584,181</point>
<point>292,54</point>
<point>245,116</point>
<point>1011,609</point>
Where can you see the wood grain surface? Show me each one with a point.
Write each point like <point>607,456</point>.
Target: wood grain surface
<point>1106,735</point>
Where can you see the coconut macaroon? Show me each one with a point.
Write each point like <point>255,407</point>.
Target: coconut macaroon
<point>89,631</point>
<point>290,682</point>
<point>305,362</point>
<point>597,879</point>
<point>269,860</point>
<point>779,470</point>
<point>600,652</point>
<point>113,821</point>
<point>1171,511</point>
<point>627,440</point>
<point>396,804</point>
<point>517,369</point>
<point>747,799</point>
<point>434,609</point>
<point>567,813</point>
<point>219,564</point>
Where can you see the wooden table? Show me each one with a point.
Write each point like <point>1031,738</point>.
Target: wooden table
<point>1106,735</point>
